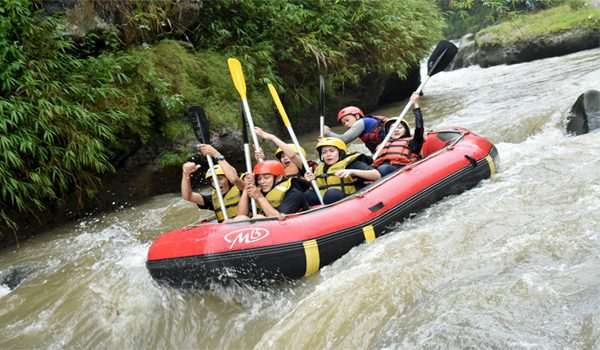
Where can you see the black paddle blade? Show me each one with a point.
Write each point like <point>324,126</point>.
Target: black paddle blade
<point>441,57</point>
<point>322,95</point>
<point>199,123</point>
<point>244,125</point>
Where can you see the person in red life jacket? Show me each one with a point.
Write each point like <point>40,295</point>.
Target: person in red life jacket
<point>229,183</point>
<point>401,149</point>
<point>340,174</point>
<point>286,153</point>
<point>368,128</point>
<point>274,193</point>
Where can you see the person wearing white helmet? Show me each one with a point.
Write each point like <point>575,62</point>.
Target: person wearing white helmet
<point>286,153</point>
<point>229,183</point>
<point>402,148</point>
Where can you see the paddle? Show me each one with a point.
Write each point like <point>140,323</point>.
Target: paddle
<point>247,155</point>
<point>200,126</point>
<point>288,125</point>
<point>441,56</point>
<point>237,75</point>
<point>322,104</point>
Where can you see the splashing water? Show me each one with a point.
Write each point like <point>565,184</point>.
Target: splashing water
<point>512,263</point>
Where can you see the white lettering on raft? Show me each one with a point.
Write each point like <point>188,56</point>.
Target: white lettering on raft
<point>245,236</point>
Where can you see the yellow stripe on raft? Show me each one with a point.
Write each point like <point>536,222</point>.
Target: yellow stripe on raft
<point>492,165</point>
<point>369,233</point>
<point>311,250</point>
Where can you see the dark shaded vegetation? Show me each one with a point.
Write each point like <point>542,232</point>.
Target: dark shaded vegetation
<point>83,88</point>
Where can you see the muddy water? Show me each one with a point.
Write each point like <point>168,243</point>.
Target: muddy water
<point>512,263</point>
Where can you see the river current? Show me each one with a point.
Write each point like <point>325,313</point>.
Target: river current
<point>512,264</point>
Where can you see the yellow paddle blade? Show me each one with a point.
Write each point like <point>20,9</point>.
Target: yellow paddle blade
<point>277,101</point>
<point>237,75</point>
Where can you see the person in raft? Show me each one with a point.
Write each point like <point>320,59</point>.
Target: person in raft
<point>229,183</point>
<point>286,153</point>
<point>401,149</point>
<point>274,193</point>
<point>369,128</point>
<point>340,174</point>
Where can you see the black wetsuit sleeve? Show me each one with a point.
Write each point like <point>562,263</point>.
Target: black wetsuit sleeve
<point>416,143</point>
<point>293,202</point>
<point>359,165</point>
<point>208,204</point>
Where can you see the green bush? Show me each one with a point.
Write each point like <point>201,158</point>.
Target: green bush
<point>53,129</point>
<point>464,16</point>
<point>70,105</point>
<point>577,4</point>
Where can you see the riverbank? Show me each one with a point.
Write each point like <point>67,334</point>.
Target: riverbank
<point>527,37</point>
<point>94,92</point>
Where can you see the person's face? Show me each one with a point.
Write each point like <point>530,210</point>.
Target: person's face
<point>285,160</point>
<point>290,167</point>
<point>223,183</point>
<point>330,155</point>
<point>348,120</point>
<point>399,132</point>
<point>265,182</point>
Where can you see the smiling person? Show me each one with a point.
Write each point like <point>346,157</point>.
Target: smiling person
<point>402,148</point>
<point>274,193</point>
<point>286,153</point>
<point>369,128</point>
<point>229,183</point>
<point>340,174</point>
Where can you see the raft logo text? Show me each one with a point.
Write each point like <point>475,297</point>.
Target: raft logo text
<point>245,236</point>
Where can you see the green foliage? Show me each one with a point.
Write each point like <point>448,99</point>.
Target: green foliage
<point>52,136</point>
<point>526,27</point>
<point>577,4</point>
<point>62,116</point>
<point>297,39</point>
<point>70,105</point>
<point>465,16</point>
<point>289,42</point>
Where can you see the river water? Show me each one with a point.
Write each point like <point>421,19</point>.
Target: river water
<point>513,263</point>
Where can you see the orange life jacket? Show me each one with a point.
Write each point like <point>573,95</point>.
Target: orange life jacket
<point>397,152</point>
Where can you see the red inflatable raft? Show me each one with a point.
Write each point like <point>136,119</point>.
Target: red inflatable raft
<point>299,244</point>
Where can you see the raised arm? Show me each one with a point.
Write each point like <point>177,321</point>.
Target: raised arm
<point>186,187</point>
<point>287,150</point>
<point>230,172</point>
<point>416,143</point>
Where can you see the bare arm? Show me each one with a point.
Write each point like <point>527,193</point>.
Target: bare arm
<point>287,150</point>
<point>370,175</point>
<point>242,209</point>
<point>261,201</point>
<point>230,172</point>
<point>266,207</point>
<point>186,187</point>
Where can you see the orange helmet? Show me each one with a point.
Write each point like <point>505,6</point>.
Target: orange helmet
<point>271,167</point>
<point>349,110</point>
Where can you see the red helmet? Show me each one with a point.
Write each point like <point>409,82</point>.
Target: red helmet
<point>271,167</point>
<point>349,110</point>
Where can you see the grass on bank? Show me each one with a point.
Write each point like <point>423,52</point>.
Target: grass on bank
<point>528,26</point>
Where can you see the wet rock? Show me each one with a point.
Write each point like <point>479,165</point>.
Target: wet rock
<point>584,115</point>
<point>15,276</point>
<point>486,52</point>
<point>397,89</point>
